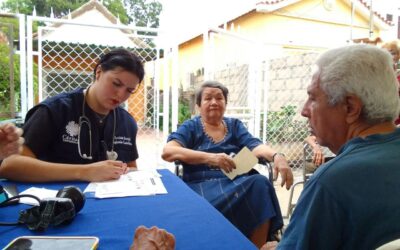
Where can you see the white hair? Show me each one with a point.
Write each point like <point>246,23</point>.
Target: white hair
<point>365,71</point>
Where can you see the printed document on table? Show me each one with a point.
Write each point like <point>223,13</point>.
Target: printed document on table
<point>244,161</point>
<point>40,193</point>
<point>134,183</point>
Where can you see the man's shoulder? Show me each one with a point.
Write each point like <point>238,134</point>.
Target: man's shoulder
<point>358,167</point>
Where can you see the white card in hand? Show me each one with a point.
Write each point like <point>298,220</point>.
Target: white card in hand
<point>244,161</point>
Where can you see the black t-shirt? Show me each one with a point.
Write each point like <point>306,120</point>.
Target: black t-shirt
<point>38,132</point>
<point>53,132</point>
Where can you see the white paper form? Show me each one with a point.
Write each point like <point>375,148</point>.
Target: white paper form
<point>41,193</point>
<point>244,161</point>
<point>134,183</point>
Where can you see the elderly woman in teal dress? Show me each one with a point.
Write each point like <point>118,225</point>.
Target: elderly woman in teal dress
<point>204,143</point>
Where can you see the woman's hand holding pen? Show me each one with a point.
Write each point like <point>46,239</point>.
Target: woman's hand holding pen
<point>104,170</point>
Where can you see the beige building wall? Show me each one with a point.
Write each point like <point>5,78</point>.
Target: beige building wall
<point>306,25</point>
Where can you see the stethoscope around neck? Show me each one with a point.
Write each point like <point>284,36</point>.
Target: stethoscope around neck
<point>84,120</point>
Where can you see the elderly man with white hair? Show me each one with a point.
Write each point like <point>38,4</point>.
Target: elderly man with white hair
<point>352,201</point>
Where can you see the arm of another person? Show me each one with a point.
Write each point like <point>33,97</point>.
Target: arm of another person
<point>26,167</point>
<point>281,166</point>
<point>174,151</point>
<point>318,156</point>
<point>10,140</point>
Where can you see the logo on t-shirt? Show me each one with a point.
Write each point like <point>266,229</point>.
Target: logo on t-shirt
<point>72,130</point>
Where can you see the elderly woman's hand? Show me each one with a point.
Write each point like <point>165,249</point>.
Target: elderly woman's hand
<point>10,140</point>
<point>281,166</point>
<point>222,161</point>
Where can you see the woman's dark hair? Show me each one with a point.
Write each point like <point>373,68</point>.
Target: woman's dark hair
<point>121,58</point>
<point>211,84</point>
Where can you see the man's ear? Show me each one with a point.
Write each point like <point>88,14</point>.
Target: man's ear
<point>354,107</point>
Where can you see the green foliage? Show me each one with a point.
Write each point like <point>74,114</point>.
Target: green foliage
<point>5,93</point>
<point>43,7</point>
<point>183,114</point>
<point>281,127</point>
<point>4,26</point>
<point>142,12</point>
<point>117,8</point>
<point>184,111</point>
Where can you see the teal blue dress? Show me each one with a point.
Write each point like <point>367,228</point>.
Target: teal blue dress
<point>247,201</point>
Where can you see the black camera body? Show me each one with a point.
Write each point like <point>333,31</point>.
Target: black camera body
<point>54,211</point>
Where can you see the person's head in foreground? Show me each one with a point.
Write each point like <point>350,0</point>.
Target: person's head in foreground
<point>351,202</point>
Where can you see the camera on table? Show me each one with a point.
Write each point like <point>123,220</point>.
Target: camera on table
<point>54,211</point>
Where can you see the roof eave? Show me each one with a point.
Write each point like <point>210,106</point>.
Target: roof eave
<point>265,7</point>
<point>365,12</point>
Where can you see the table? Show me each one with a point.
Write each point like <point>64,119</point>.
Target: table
<point>195,223</point>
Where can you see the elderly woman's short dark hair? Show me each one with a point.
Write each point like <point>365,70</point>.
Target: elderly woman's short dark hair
<point>211,84</point>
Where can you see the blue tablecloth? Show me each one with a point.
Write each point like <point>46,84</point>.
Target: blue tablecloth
<point>194,222</point>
